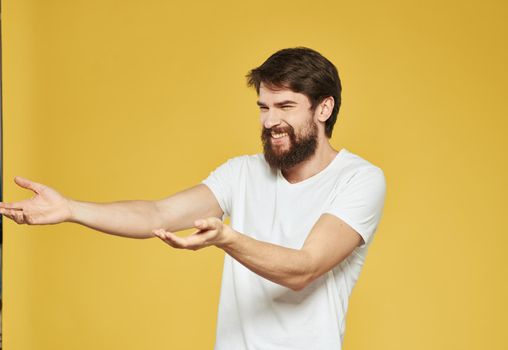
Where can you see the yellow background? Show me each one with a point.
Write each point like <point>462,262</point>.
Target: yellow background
<point>108,100</point>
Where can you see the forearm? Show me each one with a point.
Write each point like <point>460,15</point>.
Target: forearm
<point>134,219</point>
<point>330,241</point>
<point>292,268</point>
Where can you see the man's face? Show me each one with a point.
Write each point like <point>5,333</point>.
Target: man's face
<point>290,133</point>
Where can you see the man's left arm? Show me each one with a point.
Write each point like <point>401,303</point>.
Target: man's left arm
<point>330,241</point>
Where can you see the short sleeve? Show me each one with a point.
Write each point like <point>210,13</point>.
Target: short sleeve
<point>360,202</point>
<point>221,182</point>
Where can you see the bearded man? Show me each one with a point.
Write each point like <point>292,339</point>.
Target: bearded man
<point>302,214</point>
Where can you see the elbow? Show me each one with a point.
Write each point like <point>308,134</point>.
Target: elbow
<point>305,274</point>
<point>300,282</point>
<point>297,287</point>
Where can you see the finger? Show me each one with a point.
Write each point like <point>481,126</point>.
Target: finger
<point>16,205</point>
<point>159,233</point>
<point>12,212</point>
<point>31,185</point>
<point>193,242</point>
<point>200,239</point>
<point>9,215</point>
<point>156,232</point>
<point>167,237</point>
<point>18,217</point>
<point>8,210</point>
<point>204,235</point>
<point>175,241</point>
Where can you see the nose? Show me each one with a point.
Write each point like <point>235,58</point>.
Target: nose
<point>270,119</point>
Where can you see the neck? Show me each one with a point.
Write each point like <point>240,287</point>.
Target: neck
<point>324,155</point>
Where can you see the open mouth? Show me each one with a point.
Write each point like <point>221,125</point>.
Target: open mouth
<point>279,135</point>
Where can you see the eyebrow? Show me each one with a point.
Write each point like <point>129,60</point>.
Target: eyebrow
<point>278,104</point>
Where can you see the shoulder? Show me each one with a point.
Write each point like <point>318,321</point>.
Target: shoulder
<point>254,159</point>
<point>357,169</point>
<point>244,165</point>
<point>248,162</point>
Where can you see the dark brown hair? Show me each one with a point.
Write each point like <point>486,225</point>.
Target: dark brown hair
<point>302,70</point>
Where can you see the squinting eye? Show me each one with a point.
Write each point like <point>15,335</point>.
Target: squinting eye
<point>286,107</point>
<point>263,108</point>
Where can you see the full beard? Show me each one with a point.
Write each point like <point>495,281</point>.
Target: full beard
<point>300,148</point>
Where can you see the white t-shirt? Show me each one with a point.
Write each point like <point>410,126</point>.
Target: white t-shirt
<point>257,314</point>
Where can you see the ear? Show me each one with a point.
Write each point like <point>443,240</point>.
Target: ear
<point>325,109</point>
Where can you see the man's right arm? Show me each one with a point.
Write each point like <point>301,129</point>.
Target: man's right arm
<point>134,219</point>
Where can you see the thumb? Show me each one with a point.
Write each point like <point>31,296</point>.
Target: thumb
<point>207,224</point>
<point>25,183</point>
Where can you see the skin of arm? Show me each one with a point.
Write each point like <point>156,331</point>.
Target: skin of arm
<point>137,219</point>
<point>133,219</point>
<point>330,241</point>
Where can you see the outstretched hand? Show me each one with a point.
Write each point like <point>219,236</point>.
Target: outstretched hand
<point>46,207</point>
<point>210,231</point>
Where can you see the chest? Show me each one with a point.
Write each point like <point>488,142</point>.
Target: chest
<point>272,210</point>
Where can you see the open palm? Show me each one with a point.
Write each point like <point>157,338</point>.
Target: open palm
<point>46,207</point>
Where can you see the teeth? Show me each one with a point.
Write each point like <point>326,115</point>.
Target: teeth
<point>278,136</point>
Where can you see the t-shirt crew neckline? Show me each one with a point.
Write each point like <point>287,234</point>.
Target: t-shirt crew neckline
<point>313,177</point>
